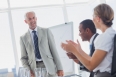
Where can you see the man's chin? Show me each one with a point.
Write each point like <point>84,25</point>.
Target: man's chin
<point>83,40</point>
<point>33,27</point>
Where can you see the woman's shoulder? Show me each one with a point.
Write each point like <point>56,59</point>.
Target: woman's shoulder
<point>105,40</point>
<point>107,35</point>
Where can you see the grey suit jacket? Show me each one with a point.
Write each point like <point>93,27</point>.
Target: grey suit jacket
<point>47,50</point>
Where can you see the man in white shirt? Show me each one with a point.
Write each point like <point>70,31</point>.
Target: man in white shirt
<point>87,33</point>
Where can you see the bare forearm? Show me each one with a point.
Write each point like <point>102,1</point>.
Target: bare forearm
<point>84,59</point>
<point>89,62</point>
<point>76,61</point>
<point>85,55</point>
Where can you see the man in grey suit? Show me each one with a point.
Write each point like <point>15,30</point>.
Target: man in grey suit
<point>38,48</point>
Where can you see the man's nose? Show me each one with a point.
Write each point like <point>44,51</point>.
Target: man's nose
<point>32,20</point>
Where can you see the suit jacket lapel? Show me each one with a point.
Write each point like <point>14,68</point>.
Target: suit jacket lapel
<point>39,34</point>
<point>39,37</point>
<point>30,39</point>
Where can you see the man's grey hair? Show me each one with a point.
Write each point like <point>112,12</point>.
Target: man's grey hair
<point>25,16</point>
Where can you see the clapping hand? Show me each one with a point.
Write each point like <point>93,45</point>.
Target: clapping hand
<point>71,46</point>
<point>71,56</point>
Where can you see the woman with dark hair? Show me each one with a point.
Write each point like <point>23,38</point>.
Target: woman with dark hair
<point>101,60</point>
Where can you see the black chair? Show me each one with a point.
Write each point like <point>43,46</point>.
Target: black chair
<point>113,68</point>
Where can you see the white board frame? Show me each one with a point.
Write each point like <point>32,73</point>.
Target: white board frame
<point>56,31</point>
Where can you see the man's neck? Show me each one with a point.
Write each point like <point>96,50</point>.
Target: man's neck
<point>90,37</point>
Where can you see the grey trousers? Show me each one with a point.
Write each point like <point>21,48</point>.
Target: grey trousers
<point>41,65</point>
<point>102,74</point>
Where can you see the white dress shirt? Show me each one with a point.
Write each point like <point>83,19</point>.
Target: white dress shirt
<point>91,40</point>
<point>30,30</point>
<point>105,42</point>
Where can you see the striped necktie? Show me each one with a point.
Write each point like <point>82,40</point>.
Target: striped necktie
<point>37,52</point>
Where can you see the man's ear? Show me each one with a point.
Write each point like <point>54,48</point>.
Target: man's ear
<point>36,18</point>
<point>25,21</point>
<point>87,30</point>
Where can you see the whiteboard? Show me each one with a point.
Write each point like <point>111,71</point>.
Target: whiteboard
<point>62,33</point>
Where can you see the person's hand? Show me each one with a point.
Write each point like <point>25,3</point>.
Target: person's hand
<point>60,73</point>
<point>76,60</point>
<point>71,55</point>
<point>71,46</point>
<point>32,74</point>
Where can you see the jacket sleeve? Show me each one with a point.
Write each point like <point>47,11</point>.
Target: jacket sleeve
<point>24,56</point>
<point>53,50</point>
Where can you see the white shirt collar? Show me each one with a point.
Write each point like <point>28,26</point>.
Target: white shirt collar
<point>30,30</point>
<point>108,29</point>
<point>92,38</point>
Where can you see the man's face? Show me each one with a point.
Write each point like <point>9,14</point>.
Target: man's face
<point>83,33</point>
<point>31,20</point>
